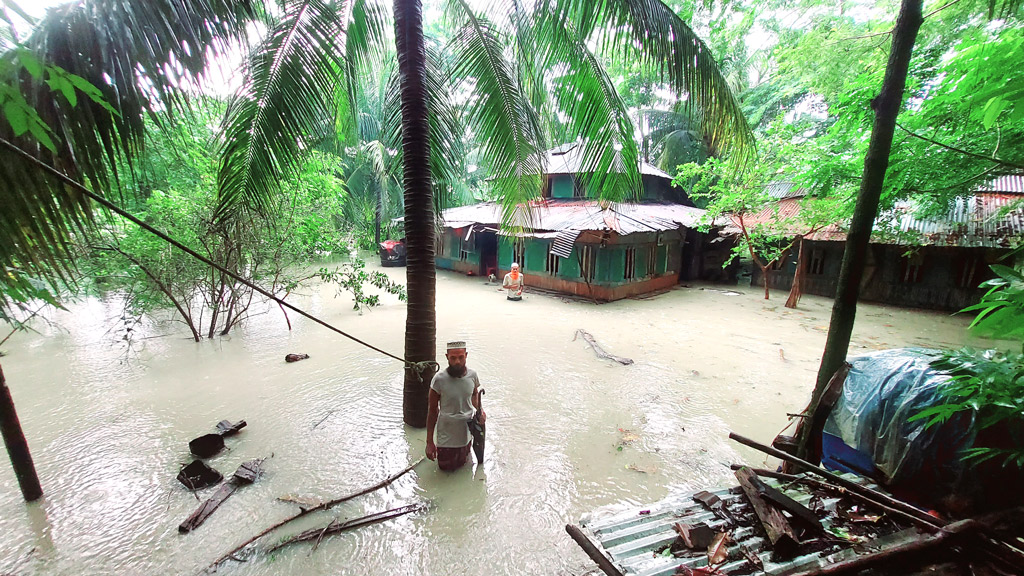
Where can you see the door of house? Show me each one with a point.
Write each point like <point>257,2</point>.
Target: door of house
<point>487,245</point>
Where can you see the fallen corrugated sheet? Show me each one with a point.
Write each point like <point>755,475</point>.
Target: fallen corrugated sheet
<point>639,541</point>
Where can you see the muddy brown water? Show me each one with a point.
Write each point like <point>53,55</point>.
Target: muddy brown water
<point>568,433</point>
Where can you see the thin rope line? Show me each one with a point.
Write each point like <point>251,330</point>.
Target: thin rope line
<point>117,210</point>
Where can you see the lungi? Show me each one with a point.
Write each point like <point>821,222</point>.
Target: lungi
<point>452,458</point>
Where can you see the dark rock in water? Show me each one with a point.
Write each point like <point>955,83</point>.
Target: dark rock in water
<point>295,357</point>
<point>198,475</point>
<point>226,428</point>
<point>206,445</point>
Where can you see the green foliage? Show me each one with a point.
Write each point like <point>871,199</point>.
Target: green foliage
<point>740,198</point>
<point>989,383</point>
<point>178,194</point>
<point>352,277</point>
<point>21,298</point>
<point>75,94</point>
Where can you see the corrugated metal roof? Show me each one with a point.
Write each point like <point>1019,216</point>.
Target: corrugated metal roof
<point>568,159</point>
<point>784,189</point>
<point>1011,183</point>
<point>984,220</point>
<point>631,539</point>
<point>557,215</point>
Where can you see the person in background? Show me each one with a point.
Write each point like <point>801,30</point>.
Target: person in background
<point>454,397</point>
<point>514,283</point>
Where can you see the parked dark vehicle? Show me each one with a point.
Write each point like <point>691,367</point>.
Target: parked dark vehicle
<point>392,253</point>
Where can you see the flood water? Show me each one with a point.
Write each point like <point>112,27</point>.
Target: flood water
<point>568,433</point>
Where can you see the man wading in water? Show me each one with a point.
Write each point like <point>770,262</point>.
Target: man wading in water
<point>514,283</point>
<point>454,395</point>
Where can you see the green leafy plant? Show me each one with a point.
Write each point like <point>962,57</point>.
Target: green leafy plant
<point>989,383</point>
<point>352,277</point>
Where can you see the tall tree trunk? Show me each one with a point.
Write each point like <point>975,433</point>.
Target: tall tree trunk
<point>420,322</point>
<point>795,291</point>
<point>17,446</point>
<point>887,107</point>
<point>376,217</point>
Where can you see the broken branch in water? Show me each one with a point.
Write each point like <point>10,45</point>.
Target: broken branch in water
<point>600,351</point>
<point>336,527</point>
<point>302,512</point>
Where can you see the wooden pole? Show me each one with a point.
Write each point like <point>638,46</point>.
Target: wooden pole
<point>780,532</point>
<point>919,516</point>
<point>602,561</point>
<point>887,107</point>
<point>17,446</point>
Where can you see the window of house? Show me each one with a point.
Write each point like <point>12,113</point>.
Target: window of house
<point>816,263</point>
<point>463,249</point>
<point>630,270</point>
<point>439,244</point>
<point>652,260</point>
<point>910,268</point>
<point>588,262</point>
<point>551,266</point>
<point>519,253</point>
<point>577,188</point>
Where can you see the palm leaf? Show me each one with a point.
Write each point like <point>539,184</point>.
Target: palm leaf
<point>649,31</point>
<point>285,105</point>
<point>594,113</point>
<point>107,64</point>
<point>501,117</point>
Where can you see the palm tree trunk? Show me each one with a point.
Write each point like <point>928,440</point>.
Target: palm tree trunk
<point>17,446</point>
<point>887,107</point>
<point>420,321</point>
<point>376,217</point>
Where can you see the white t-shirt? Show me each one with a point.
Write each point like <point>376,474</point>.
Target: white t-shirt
<point>456,408</point>
<point>515,287</point>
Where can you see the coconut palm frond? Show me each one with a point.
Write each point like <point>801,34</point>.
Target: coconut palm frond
<point>367,50</point>
<point>649,31</point>
<point>87,75</point>
<point>284,106</point>
<point>531,67</point>
<point>594,114</point>
<point>369,34</point>
<point>502,118</point>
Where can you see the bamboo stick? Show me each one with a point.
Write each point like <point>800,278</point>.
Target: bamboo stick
<point>304,512</point>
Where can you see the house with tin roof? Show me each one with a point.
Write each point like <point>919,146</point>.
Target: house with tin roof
<point>569,241</point>
<point>927,262</point>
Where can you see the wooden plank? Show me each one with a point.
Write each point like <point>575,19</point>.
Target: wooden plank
<point>226,428</point>
<point>783,538</point>
<point>246,474</point>
<point>209,507</point>
<point>249,471</point>
<point>796,509</point>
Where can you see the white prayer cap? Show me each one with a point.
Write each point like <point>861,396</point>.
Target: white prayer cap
<point>515,265</point>
<point>457,345</point>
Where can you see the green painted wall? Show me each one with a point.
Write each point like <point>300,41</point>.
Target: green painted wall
<point>504,252</point>
<point>641,270</point>
<point>610,264</point>
<point>536,254</point>
<point>561,186</point>
<point>569,267</point>
<point>662,259</point>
